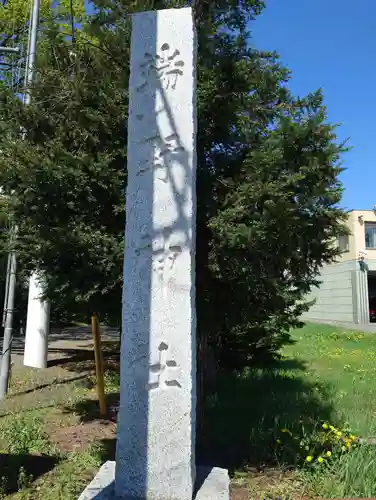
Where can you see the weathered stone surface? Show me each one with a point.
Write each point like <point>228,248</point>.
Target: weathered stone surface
<point>156,423</point>
<point>102,486</point>
<point>212,484</point>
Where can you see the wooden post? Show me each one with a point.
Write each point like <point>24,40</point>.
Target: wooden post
<point>98,365</point>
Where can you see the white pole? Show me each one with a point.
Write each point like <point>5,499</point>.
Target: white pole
<point>37,325</point>
<point>38,311</point>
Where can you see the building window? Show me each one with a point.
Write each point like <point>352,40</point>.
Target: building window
<point>370,232</point>
<point>343,242</point>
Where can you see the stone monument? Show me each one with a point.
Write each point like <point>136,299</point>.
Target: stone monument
<point>155,457</point>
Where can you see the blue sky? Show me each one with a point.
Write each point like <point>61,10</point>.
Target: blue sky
<point>332,44</point>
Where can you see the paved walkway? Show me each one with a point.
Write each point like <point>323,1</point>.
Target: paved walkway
<point>62,342</point>
<point>370,327</point>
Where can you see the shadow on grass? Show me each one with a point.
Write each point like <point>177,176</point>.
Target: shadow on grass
<point>56,382</point>
<point>107,449</point>
<point>27,410</point>
<point>70,356</point>
<point>17,471</point>
<point>82,360</point>
<point>243,419</point>
<point>88,409</point>
<point>81,333</point>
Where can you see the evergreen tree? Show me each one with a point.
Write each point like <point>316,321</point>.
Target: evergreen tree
<point>14,27</point>
<point>268,188</point>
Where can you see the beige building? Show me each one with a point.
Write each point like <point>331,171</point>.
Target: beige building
<point>349,284</point>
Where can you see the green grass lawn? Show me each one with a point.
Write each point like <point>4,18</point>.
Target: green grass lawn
<point>51,441</point>
<point>342,362</point>
<point>326,376</point>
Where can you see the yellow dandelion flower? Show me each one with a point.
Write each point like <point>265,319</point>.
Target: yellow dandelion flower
<point>320,460</point>
<point>352,437</point>
<point>328,453</point>
<point>339,433</point>
<point>348,445</point>
<point>309,458</point>
<point>332,428</point>
<point>325,426</point>
<point>278,441</point>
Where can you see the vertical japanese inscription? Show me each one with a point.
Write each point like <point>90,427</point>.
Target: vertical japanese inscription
<point>159,330</point>
<point>166,150</point>
<point>163,257</point>
<point>165,67</point>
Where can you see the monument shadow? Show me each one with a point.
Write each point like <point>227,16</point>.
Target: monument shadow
<point>244,417</point>
<point>20,470</point>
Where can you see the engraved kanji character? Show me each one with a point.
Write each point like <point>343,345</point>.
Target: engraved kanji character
<point>165,66</point>
<point>163,149</point>
<point>159,372</point>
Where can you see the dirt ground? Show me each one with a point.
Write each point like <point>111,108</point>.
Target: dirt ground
<point>70,369</point>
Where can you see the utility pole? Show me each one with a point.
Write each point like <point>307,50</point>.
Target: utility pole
<point>10,291</point>
<point>32,49</point>
<point>12,264</point>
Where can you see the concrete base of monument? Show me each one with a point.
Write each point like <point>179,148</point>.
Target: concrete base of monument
<point>212,484</point>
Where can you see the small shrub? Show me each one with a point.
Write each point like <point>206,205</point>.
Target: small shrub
<point>3,487</point>
<point>350,475</point>
<point>15,477</point>
<point>25,435</point>
<point>24,479</point>
<point>315,448</point>
<point>111,381</point>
